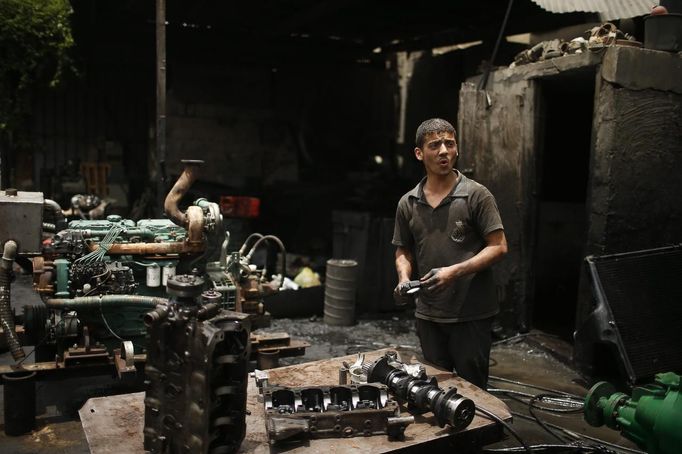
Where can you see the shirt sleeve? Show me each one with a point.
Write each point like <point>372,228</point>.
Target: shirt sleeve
<point>486,214</point>
<point>402,236</point>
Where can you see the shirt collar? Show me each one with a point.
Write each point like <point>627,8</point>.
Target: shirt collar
<point>461,189</point>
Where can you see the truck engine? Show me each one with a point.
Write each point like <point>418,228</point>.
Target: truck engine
<point>98,278</point>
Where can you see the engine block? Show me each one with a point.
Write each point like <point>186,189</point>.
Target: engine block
<point>196,373</point>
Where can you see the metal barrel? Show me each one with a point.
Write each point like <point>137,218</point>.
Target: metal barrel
<point>19,403</point>
<point>339,292</point>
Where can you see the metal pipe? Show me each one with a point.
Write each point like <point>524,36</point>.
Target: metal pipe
<point>105,300</point>
<point>195,224</point>
<point>152,248</point>
<point>6,316</point>
<point>160,313</point>
<point>179,189</point>
<point>223,251</point>
<point>59,218</point>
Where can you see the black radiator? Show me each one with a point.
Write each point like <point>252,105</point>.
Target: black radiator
<point>637,313</point>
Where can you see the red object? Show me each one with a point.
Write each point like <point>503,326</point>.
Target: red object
<point>238,206</point>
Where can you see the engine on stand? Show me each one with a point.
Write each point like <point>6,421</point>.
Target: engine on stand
<point>99,278</point>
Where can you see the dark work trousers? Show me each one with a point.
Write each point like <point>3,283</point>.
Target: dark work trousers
<point>462,347</point>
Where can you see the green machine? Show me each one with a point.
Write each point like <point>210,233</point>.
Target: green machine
<point>652,417</point>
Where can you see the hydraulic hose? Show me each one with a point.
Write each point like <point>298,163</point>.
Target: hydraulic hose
<point>105,301</point>
<point>281,247</point>
<point>247,241</point>
<point>6,316</point>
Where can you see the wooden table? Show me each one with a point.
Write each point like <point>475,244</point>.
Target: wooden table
<point>114,424</point>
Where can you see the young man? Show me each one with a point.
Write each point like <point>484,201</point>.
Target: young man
<point>448,231</point>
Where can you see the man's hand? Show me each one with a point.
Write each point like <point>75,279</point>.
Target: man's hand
<point>400,295</point>
<point>437,280</point>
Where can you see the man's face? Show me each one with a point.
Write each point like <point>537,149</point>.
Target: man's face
<point>438,153</point>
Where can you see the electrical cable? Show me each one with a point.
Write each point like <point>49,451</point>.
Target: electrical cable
<point>511,338</point>
<point>541,422</point>
<point>504,423</point>
<point>104,281</point>
<point>104,246</point>
<point>576,436</point>
<point>549,448</point>
<point>535,417</point>
<point>531,404</point>
<point>541,388</point>
<point>576,405</point>
<point>509,392</point>
<point>522,336</point>
<point>579,435</point>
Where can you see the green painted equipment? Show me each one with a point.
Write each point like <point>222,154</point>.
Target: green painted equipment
<point>652,417</point>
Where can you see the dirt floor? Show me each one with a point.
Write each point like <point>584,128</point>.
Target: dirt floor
<point>521,366</point>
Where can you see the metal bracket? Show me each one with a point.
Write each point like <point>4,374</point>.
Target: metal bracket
<point>124,359</point>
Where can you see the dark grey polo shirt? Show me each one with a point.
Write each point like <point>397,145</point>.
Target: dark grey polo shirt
<point>451,233</point>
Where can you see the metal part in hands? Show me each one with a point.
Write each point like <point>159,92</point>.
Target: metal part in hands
<point>409,287</point>
<point>403,291</point>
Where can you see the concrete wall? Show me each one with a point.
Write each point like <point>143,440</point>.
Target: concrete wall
<point>636,184</point>
<point>634,193</point>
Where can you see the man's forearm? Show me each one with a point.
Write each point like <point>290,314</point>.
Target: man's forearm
<point>495,249</point>
<point>403,264</point>
<point>487,257</point>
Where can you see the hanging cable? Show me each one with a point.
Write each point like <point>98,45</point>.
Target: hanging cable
<point>484,78</point>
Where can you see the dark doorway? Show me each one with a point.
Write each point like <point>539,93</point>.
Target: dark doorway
<point>561,219</point>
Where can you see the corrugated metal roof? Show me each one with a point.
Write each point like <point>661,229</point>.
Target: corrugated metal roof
<point>608,9</point>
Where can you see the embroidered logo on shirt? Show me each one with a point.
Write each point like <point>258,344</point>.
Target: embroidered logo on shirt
<point>459,232</point>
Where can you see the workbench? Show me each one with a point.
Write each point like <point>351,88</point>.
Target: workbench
<point>114,424</point>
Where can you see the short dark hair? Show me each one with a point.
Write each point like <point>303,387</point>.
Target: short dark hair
<point>429,126</point>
